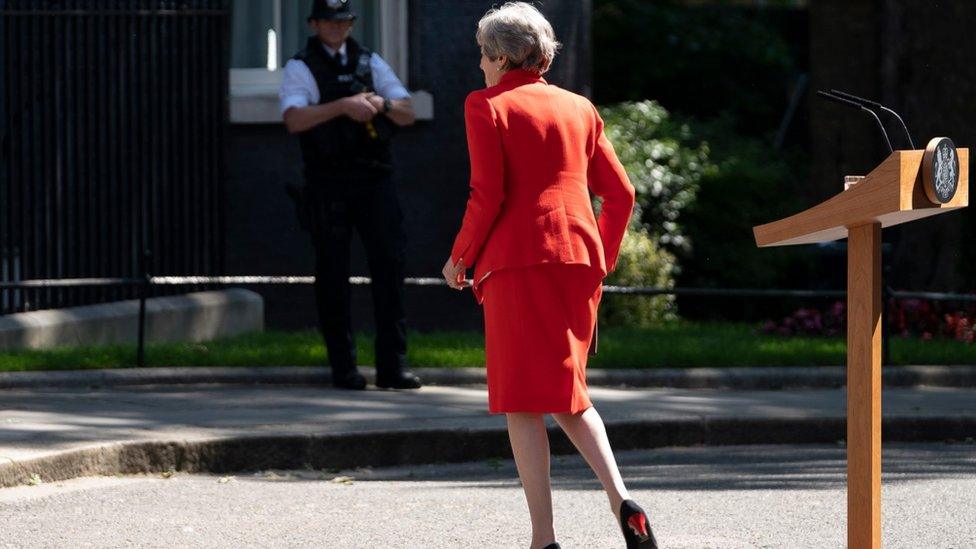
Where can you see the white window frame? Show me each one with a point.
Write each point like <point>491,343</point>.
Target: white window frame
<point>254,92</point>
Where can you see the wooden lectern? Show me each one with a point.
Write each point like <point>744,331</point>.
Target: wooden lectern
<point>908,185</point>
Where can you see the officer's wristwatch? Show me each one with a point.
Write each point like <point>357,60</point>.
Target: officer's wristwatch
<point>387,105</point>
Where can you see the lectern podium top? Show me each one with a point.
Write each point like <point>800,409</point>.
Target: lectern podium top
<point>893,193</point>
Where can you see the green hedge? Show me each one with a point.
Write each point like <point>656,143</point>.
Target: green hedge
<point>641,263</point>
<point>666,165</point>
<point>701,188</point>
<point>752,184</point>
<point>664,161</point>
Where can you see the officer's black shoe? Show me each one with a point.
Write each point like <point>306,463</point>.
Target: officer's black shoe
<point>351,380</point>
<point>399,380</point>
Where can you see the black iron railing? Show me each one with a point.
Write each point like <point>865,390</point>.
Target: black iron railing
<point>145,284</point>
<point>112,115</point>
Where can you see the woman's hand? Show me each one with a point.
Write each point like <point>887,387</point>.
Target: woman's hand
<point>454,275</point>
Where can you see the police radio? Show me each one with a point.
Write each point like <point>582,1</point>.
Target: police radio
<point>363,69</point>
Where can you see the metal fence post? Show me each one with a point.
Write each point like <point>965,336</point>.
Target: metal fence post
<point>143,294</point>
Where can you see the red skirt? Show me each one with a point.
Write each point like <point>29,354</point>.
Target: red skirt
<point>539,322</point>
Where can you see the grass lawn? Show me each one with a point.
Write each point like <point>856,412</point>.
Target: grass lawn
<point>672,345</point>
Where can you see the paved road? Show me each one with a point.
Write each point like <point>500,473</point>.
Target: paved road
<point>788,497</point>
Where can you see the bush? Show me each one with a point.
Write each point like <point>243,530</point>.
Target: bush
<point>701,188</point>
<point>931,319</point>
<point>725,72</point>
<point>664,162</point>
<point>919,318</point>
<point>752,184</point>
<point>641,263</point>
<point>665,165</point>
<point>811,321</point>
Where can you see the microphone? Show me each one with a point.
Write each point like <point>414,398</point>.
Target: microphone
<point>856,105</point>
<point>875,104</point>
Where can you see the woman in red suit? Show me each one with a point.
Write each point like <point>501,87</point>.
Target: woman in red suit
<point>540,255</point>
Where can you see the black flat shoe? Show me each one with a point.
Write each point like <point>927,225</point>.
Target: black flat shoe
<point>635,526</point>
<point>552,545</point>
<point>352,380</point>
<point>399,380</point>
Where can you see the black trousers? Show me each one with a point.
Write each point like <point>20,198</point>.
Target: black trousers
<point>368,205</point>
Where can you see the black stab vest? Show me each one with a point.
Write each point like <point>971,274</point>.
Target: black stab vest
<point>343,146</point>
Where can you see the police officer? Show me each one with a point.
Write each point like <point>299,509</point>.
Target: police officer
<point>344,103</point>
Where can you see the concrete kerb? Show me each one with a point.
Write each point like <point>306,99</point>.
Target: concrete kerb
<point>404,447</point>
<point>408,447</point>
<point>197,316</point>
<point>689,378</point>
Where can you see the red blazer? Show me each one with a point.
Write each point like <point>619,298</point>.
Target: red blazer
<point>536,150</point>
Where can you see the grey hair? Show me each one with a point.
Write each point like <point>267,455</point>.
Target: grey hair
<point>520,31</point>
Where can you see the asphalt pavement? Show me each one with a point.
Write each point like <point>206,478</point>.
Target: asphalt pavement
<point>789,497</point>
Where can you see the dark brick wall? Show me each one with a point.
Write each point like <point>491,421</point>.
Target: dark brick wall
<point>916,56</point>
<point>432,175</point>
<point>263,237</point>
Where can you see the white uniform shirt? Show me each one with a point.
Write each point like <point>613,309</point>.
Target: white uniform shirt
<point>298,87</point>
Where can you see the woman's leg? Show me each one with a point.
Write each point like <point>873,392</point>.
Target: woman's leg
<point>530,445</point>
<point>588,434</point>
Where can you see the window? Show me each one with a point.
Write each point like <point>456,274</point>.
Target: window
<point>266,33</point>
